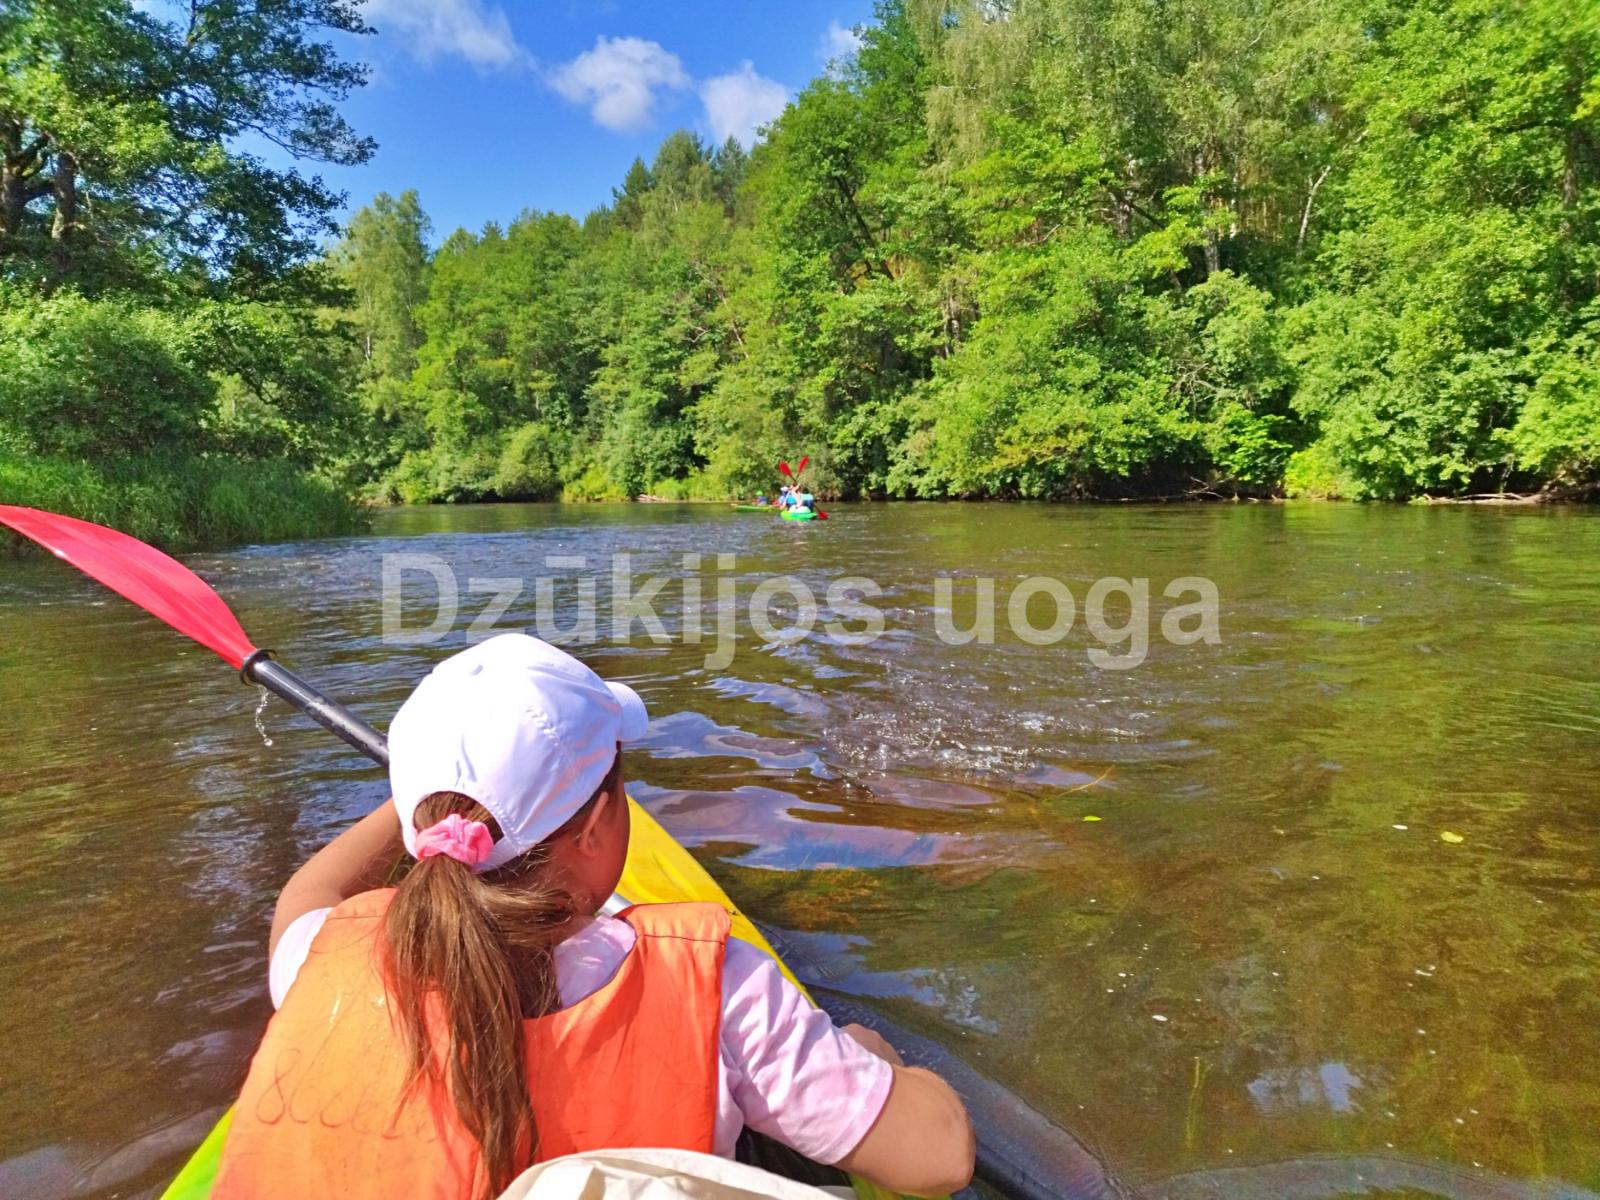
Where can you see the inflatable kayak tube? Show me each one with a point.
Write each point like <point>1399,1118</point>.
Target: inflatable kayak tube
<point>753,507</point>
<point>1022,1153</point>
<point>798,514</point>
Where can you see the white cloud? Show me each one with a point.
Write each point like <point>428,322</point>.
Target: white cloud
<point>840,41</point>
<point>619,80</point>
<point>467,29</point>
<point>739,102</point>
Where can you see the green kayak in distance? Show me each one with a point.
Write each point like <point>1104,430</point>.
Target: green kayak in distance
<point>788,514</point>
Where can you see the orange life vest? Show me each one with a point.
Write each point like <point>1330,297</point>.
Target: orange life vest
<point>325,1111</point>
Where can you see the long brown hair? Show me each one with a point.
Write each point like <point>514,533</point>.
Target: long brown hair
<point>468,957</point>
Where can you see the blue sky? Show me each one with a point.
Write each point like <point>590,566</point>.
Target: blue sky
<point>487,108</point>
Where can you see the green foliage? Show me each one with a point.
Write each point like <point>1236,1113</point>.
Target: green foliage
<point>1315,473</point>
<point>1053,248</point>
<point>529,465</point>
<point>384,261</point>
<point>172,363</point>
<point>1067,248</point>
<point>591,483</point>
<point>695,487</point>
<point>499,347</point>
<point>100,379</point>
<point>285,381</point>
<point>1467,247</point>
<point>97,379</point>
<point>119,124</point>
<point>1557,434</point>
<point>181,500</point>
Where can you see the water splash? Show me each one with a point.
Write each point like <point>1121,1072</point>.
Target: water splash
<point>261,708</point>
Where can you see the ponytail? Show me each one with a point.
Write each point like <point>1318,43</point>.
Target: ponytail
<point>468,958</point>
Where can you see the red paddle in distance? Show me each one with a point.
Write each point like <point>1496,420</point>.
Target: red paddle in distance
<point>783,467</point>
<point>167,589</point>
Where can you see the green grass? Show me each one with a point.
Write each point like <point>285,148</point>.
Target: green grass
<point>180,501</point>
<point>697,486</point>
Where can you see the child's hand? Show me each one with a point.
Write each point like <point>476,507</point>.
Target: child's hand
<point>872,1040</point>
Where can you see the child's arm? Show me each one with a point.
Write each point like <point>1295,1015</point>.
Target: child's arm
<point>357,860</point>
<point>922,1143</point>
<point>837,1096</point>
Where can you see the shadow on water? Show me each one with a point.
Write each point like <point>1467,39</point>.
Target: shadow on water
<point>1199,912</point>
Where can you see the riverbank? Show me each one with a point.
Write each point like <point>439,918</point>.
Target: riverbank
<point>1552,497</point>
<point>182,502</point>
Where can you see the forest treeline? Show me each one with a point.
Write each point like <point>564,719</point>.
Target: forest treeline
<point>1011,248</point>
<point>171,358</point>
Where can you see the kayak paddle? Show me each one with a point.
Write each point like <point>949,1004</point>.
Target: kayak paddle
<point>795,475</point>
<point>167,589</point>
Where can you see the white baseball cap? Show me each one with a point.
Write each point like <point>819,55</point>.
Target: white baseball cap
<point>521,727</point>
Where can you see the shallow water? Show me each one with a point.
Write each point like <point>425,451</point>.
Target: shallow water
<point>1261,972</point>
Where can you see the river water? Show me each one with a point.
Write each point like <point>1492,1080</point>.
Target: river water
<point>1303,910</point>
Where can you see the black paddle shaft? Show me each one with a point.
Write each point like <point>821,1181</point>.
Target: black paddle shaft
<point>324,710</point>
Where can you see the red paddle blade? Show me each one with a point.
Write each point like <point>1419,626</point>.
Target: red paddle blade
<point>802,465</point>
<point>156,583</point>
<point>784,467</point>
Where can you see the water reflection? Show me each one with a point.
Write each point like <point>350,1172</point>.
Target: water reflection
<point>694,735</point>
<point>836,961</point>
<point>786,834</point>
<point>1328,1085</point>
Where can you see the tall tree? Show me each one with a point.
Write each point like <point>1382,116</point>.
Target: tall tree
<point>120,129</point>
<point>384,260</point>
<point>728,165</point>
<point>630,195</point>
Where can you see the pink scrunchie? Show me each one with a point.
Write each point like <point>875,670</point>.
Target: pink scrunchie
<point>458,838</point>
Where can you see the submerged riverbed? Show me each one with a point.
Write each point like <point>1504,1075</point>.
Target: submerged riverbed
<point>1305,910</point>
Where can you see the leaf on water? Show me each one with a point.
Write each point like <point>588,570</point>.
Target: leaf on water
<point>1455,839</point>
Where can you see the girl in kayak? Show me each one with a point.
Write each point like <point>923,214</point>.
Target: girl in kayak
<point>436,1038</point>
